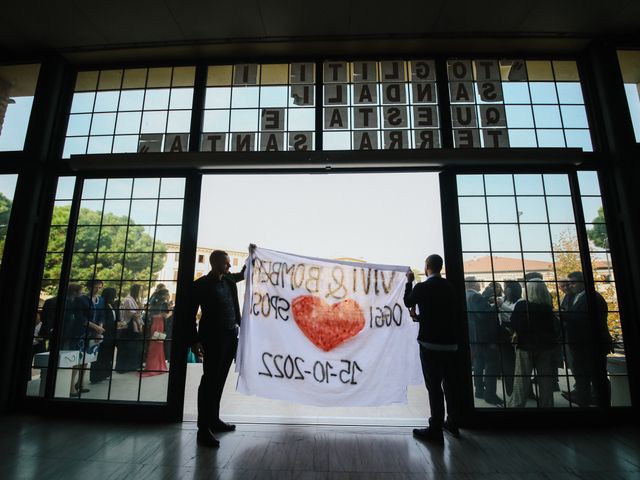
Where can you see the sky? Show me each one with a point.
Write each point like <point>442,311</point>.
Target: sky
<point>8,185</point>
<point>633,98</point>
<point>380,218</point>
<point>16,121</point>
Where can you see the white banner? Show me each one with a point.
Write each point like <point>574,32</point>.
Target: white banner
<point>325,332</point>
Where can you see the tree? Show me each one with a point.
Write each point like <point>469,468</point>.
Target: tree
<point>5,213</point>
<point>598,233</point>
<point>568,260</point>
<point>567,256</point>
<point>99,252</point>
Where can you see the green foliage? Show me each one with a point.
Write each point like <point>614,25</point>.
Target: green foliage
<point>110,253</point>
<point>5,213</point>
<point>567,260</point>
<point>598,233</point>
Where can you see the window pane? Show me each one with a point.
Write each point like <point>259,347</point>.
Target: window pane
<point>157,99</point>
<point>128,122</point>
<point>131,100</point>
<point>79,125</point>
<point>560,209</point>
<point>528,184</point>
<point>17,88</point>
<point>499,184</point>
<point>106,101</point>
<point>470,184</point>
<point>472,210</point>
<point>502,209</point>
<point>475,238</point>
<point>532,209</point>
<point>181,98</point>
<point>83,102</point>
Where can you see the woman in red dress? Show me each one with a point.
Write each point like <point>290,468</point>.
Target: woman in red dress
<point>156,361</point>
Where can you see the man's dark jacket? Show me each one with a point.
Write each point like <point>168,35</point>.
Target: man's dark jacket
<point>439,310</point>
<point>202,295</point>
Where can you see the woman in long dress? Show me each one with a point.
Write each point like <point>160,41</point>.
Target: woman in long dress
<point>156,360</point>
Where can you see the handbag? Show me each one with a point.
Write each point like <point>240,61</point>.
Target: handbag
<point>158,335</point>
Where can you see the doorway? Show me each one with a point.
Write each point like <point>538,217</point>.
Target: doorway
<point>384,218</point>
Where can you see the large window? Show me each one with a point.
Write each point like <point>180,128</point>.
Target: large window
<point>536,339</point>
<point>17,88</point>
<point>259,107</point>
<point>114,332</point>
<point>361,105</point>
<point>131,110</point>
<point>517,103</point>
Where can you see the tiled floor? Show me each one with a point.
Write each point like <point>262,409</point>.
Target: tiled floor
<point>55,449</point>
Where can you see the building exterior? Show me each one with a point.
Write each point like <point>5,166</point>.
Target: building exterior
<point>111,115</point>
<point>202,267</point>
<point>488,269</point>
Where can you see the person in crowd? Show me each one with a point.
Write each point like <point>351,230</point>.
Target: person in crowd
<point>87,311</point>
<point>558,354</point>
<point>168,328</point>
<point>565,303</point>
<point>512,295</point>
<point>38,342</point>
<point>158,311</point>
<point>483,337</point>
<point>130,332</point>
<point>589,341</point>
<point>158,291</point>
<point>536,334</point>
<point>101,368</point>
<point>158,305</point>
<point>215,338</point>
<point>438,337</point>
<point>493,294</point>
<point>567,295</point>
<point>72,330</point>
<point>48,317</point>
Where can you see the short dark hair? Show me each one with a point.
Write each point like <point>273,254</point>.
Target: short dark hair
<point>514,290</point>
<point>91,283</point>
<point>109,294</point>
<point>576,276</point>
<point>74,288</point>
<point>216,254</point>
<point>434,262</point>
<point>134,290</point>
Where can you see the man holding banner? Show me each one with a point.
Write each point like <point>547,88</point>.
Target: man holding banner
<point>438,339</point>
<point>215,340</point>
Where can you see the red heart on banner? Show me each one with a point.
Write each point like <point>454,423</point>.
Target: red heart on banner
<point>327,326</point>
